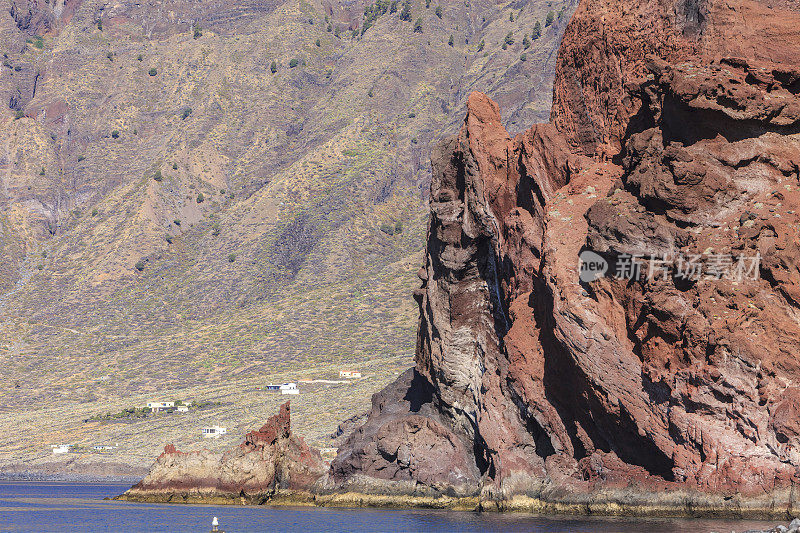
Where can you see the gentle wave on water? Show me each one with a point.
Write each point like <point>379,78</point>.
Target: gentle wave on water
<point>79,507</point>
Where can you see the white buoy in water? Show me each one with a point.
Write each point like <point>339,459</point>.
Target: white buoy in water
<point>215,524</point>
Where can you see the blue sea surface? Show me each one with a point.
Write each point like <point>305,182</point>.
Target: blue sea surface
<point>79,507</point>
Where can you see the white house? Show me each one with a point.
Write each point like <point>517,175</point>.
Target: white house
<point>61,448</point>
<point>213,432</point>
<point>160,406</point>
<point>289,388</point>
<point>349,374</point>
<point>182,408</point>
<point>103,447</point>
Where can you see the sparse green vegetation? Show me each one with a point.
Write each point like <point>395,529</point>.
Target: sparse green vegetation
<point>418,26</point>
<point>157,176</point>
<point>509,40</point>
<point>438,11</point>
<point>42,172</point>
<point>231,258</point>
<point>450,41</point>
<point>405,13</point>
<point>139,57</point>
<point>174,166</point>
<point>177,221</point>
<point>387,228</point>
<point>115,134</point>
<point>398,226</point>
<point>215,230</point>
<point>200,198</point>
<point>526,43</point>
<point>372,12</point>
<point>198,32</point>
<point>185,114</point>
<point>95,212</point>
<point>100,24</point>
<point>511,17</point>
<point>537,31</point>
<point>550,18</point>
<point>19,114</point>
<point>110,56</point>
<point>38,42</point>
<point>130,413</point>
<point>81,158</point>
<point>273,67</point>
<point>481,45</point>
<point>318,43</point>
<point>153,71</point>
<point>523,57</point>
<point>293,63</point>
<point>139,265</point>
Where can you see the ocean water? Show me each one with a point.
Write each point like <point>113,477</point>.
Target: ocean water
<point>79,507</point>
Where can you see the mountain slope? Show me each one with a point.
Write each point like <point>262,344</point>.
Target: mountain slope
<point>175,214</point>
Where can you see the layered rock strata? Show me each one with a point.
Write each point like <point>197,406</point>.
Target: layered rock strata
<point>271,462</point>
<point>674,141</point>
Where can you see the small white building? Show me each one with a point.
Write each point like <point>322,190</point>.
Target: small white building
<point>213,432</point>
<point>61,448</point>
<point>182,408</point>
<point>289,388</point>
<point>103,447</point>
<point>349,374</point>
<point>160,406</point>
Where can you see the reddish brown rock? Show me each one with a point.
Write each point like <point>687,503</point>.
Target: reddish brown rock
<point>675,131</point>
<point>269,461</point>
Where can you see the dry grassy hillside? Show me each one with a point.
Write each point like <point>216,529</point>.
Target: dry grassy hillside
<point>199,195</point>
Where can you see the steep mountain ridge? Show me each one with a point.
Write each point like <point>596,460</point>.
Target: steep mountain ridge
<point>157,174</point>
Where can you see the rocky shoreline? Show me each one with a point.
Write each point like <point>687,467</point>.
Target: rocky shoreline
<point>272,467</point>
<point>612,503</point>
<point>40,477</point>
<point>13,474</point>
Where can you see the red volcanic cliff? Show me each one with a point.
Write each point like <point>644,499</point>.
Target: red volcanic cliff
<point>675,133</point>
<point>269,460</point>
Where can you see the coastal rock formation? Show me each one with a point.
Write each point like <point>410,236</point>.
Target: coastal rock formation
<point>269,462</point>
<point>668,384</point>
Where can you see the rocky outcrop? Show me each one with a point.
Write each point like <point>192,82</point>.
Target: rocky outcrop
<point>37,17</point>
<point>675,134</point>
<point>270,462</point>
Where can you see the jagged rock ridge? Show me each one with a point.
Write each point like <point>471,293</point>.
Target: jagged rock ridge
<point>675,131</point>
<point>269,461</point>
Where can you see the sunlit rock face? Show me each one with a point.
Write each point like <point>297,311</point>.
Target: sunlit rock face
<point>674,134</point>
<point>270,460</point>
